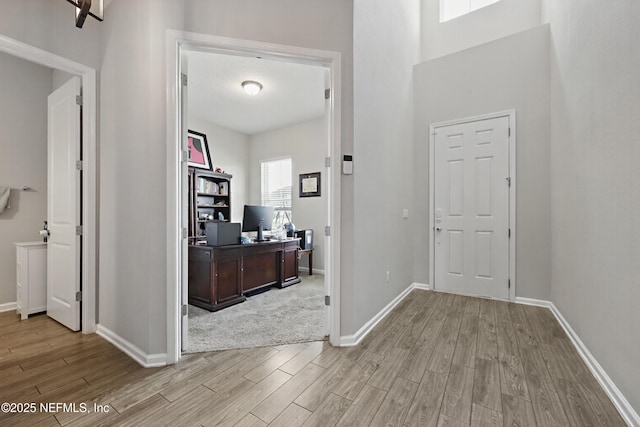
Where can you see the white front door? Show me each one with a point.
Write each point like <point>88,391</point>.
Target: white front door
<point>63,205</point>
<point>471,208</point>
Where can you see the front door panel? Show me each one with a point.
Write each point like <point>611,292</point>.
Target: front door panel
<point>472,207</point>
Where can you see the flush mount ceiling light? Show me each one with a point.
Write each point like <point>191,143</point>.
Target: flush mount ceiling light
<point>94,8</point>
<point>251,87</point>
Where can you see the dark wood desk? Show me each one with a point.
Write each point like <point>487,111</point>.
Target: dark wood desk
<point>310,253</point>
<point>220,276</point>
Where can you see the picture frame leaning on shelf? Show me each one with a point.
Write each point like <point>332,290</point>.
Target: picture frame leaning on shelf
<point>199,156</point>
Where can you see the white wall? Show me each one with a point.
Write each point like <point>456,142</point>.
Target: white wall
<point>476,28</point>
<point>132,299</point>
<point>24,88</point>
<point>229,151</point>
<point>50,25</point>
<point>59,78</point>
<point>306,144</point>
<point>595,197</point>
<point>386,46</point>
<point>510,73</point>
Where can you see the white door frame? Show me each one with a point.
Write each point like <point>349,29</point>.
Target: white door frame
<point>180,41</point>
<point>511,114</point>
<point>89,153</point>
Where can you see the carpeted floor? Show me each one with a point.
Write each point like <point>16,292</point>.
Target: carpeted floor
<point>280,316</point>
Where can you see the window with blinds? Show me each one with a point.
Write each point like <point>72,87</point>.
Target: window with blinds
<point>276,189</point>
<point>450,9</point>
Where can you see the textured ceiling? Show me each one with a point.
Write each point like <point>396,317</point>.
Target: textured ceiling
<point>291,93</point>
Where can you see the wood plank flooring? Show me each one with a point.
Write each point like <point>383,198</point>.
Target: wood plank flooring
<point>437,359</point>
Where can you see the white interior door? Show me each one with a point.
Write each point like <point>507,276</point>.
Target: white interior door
<point>63,205</point>
<point>471,209</point>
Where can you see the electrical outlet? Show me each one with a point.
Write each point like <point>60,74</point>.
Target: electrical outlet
<point>405,213</point>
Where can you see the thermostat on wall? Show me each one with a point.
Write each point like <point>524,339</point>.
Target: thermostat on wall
<point>347,164</point>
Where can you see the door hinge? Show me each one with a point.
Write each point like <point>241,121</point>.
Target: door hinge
<point>327,162</point>
<point>327,230</point>
<point>327,300</point>
<point>509,283</point>
<point>327,94</point>
<point>78,230</point>
<point>184,79</point>
<point>508,181</point>
<point>79,165</point>
<point>79,296</point>
<point>509,132</point>
<point>509,233</point>
<point>185,309</point>
<point>79,100</point>
<point>185,234</point>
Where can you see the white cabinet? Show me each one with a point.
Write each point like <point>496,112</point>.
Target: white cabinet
<point>31,271</point>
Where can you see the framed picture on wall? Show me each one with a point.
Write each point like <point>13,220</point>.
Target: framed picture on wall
<point>310,184</point>
<point>199,156</point>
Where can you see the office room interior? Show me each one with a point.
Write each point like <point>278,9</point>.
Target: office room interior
<point>524,112</point>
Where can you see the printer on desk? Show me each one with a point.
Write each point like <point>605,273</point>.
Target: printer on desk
<point>221,233</point>
<point>306,238</point>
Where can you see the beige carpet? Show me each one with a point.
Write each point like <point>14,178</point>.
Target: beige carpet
<point>279,316</point>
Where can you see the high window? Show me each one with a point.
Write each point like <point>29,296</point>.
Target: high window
<point>276,189</point>
<point>450,9</point>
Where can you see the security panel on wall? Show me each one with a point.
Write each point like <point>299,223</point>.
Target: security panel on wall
<point>347,164</point>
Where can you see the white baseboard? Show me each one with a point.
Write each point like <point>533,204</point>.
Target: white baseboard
<point>355,339</point>
<point>315,270</point>
<point>423,286</point>
<point>623,406</point>
<point>8,306</point>
<point>144,359</point>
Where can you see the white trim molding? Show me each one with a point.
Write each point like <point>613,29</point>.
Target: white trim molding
<point>355,339</point>
<point>8,306</point>
<point>144,359</point>
<point>423,286</point>
<point>623,406</point>
<point>315,270</point>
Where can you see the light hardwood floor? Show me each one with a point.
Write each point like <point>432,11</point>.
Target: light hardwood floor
<point>436,360</point>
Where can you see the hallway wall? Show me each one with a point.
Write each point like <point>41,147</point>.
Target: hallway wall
<point>24,88</point>
<point>595,197</point>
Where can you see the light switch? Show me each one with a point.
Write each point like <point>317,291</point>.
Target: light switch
<point>405,213</point>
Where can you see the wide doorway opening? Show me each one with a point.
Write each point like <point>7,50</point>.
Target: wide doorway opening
<point>257,203</point>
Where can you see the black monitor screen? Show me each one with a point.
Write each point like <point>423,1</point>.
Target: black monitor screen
<point>254,215</point>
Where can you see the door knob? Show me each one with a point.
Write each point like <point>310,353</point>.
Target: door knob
<point>45,232</point>
<point>438,228</point>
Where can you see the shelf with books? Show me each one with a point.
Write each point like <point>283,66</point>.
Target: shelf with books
<point>209,199</point>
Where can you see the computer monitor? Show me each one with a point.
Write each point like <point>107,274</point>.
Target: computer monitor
<point>257,218</point>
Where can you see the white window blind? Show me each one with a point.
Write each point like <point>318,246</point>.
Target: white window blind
<point>276,189</point>
<point>450,9</point>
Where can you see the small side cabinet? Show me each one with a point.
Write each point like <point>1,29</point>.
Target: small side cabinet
<point>215,277</point>
<point>289,272</point>
<point>31,280</point>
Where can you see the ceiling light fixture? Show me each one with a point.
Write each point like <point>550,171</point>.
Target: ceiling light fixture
<point>85,8</point>
<point>251,87</point>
